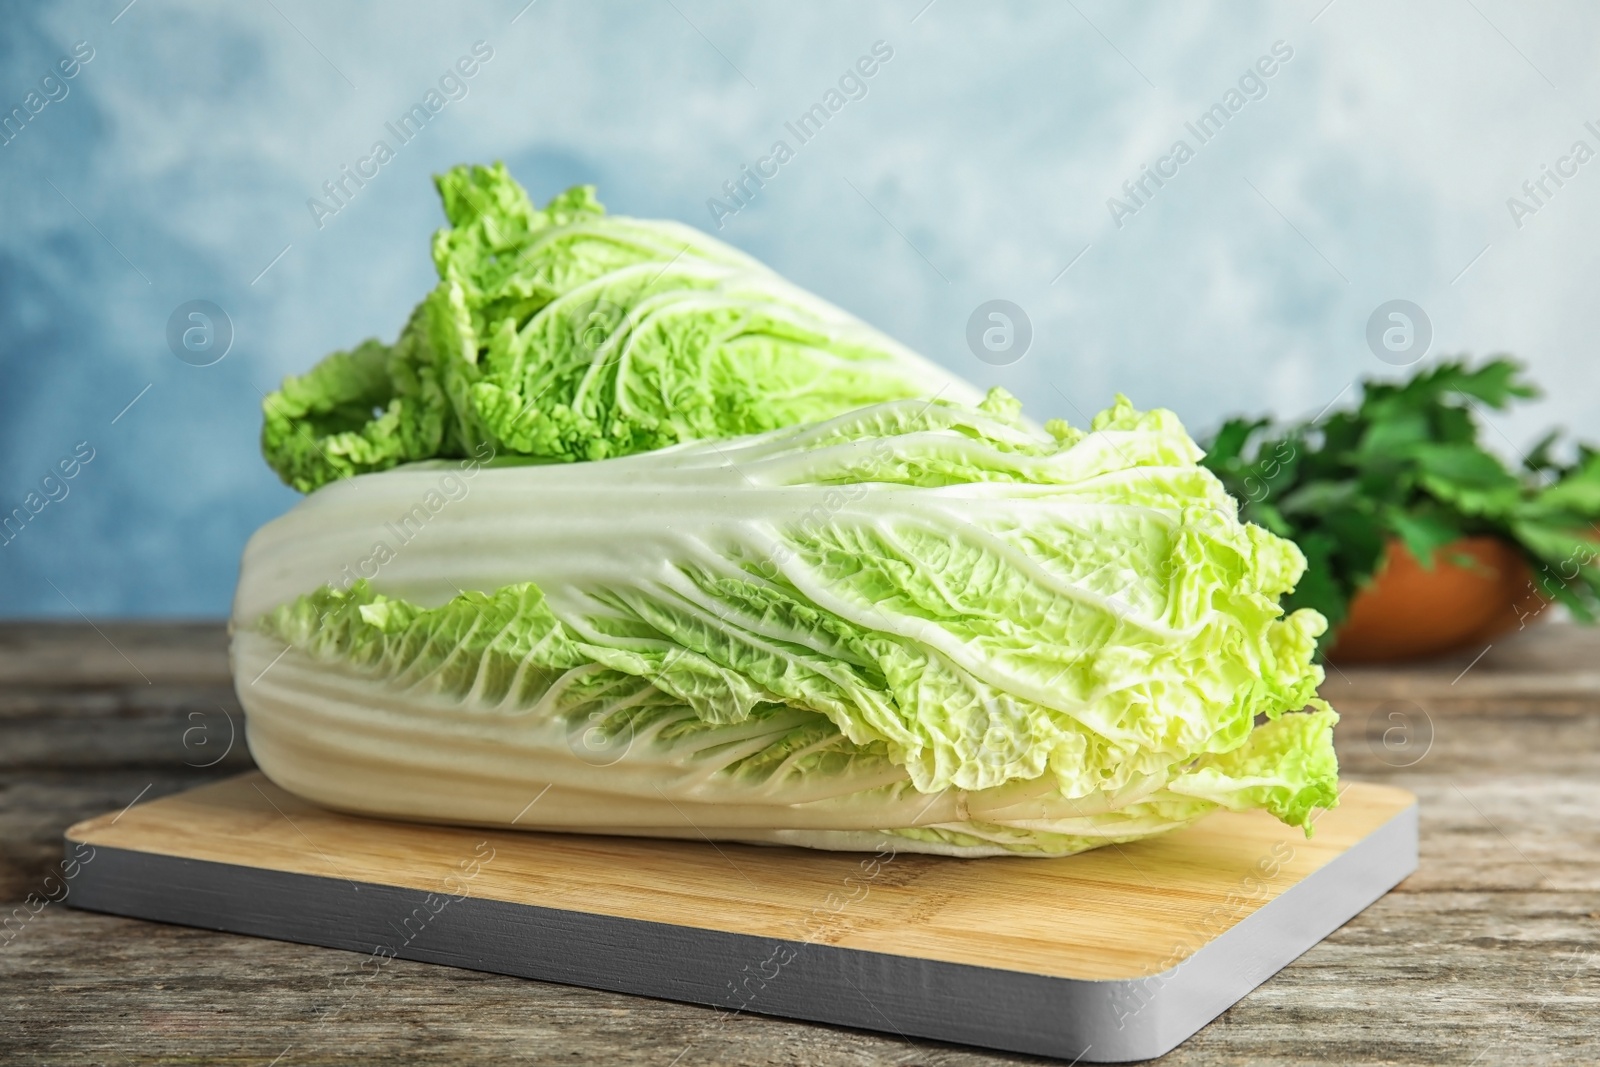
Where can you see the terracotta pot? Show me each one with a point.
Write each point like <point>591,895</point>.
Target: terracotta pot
<point>1409,612</point>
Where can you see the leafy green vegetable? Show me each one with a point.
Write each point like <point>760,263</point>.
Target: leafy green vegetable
<point>1406,464</point>
<point>561,333</point>
<point>916,621</point>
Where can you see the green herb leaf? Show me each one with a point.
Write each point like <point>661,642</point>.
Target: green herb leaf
<point>1406,465</point>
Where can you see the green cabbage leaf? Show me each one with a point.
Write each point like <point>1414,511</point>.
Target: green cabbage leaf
<point>562,333</point>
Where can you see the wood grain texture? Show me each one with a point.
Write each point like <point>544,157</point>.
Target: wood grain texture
<point>1489,954</point>
<point>1115,913</point>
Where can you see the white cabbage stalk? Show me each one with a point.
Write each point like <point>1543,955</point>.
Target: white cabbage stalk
<point>915,623</point>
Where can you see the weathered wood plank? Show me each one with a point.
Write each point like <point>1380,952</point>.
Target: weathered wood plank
<point>1547,662</point>
<point>79,656</point>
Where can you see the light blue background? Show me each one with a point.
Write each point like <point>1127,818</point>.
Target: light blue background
<point>1378,166</point>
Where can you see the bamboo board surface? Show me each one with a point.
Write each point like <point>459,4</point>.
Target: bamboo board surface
<point>1116,913</point>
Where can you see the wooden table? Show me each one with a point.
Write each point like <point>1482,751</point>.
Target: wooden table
<point>1489,954</point>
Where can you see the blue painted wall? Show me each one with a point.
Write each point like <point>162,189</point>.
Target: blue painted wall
<point>1375,162</point>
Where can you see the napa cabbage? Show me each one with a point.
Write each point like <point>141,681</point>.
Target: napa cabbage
<point>919,622</point>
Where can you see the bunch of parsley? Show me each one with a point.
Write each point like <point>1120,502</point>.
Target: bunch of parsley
<point>1406,464</point>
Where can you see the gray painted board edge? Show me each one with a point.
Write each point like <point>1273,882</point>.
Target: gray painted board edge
<point>1087,1021</point>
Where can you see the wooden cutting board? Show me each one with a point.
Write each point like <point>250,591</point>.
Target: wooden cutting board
<point>1114,955</point>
